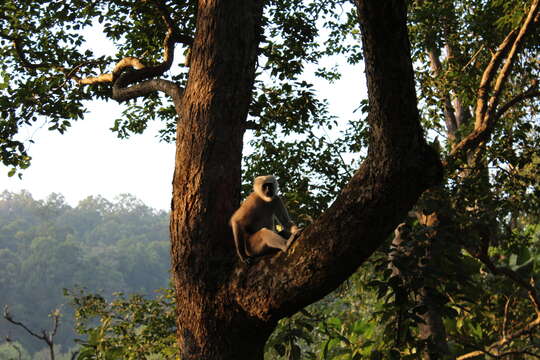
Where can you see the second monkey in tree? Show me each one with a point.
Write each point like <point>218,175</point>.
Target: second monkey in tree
<point>253,223</point>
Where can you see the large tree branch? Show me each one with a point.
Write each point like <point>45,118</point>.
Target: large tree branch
<point>528,24</point>
<point>143,88</point>
<point>485,113</point>
<point>172,37</point>
<point>489,73</point>
<point>141,72</point>
<point>398,168</point>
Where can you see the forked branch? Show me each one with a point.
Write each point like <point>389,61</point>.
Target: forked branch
<point>126,84</point>
<point>486,110</point>
<point>46,336</point>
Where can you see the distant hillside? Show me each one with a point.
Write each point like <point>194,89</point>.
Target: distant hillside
<point>47,245</point>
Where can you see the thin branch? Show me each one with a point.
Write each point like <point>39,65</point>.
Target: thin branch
<point>56,320</point>
<point>17,45</point>
<point>473,58</point>
<point>9,318</point>
<point>505,319</point>
<point>530,93</point>
<point>512,275</point>
<point>178,37</point>
<point>505,340</point>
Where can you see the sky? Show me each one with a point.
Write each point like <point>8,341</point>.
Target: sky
<point>90,160</point>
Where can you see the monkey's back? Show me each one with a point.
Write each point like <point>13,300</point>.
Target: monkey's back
<point>255,213</point>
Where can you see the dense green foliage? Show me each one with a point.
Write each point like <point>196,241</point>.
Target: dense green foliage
<point>47,245</point>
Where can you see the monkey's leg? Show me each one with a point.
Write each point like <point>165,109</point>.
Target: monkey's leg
<point>264,240</point>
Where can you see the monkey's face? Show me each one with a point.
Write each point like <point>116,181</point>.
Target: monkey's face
<point>268,189</point>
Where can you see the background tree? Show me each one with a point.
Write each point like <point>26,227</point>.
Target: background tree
<point>478,76</point>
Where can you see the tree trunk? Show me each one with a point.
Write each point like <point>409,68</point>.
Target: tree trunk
<point>225,309</point>
<point>206,184</point>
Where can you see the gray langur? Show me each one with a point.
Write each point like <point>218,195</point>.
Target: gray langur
<point>253,223</point>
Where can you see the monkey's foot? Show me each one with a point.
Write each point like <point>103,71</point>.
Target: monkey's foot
<point>293,238</point>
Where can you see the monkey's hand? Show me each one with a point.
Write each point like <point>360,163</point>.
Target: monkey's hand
<point>295,235</point>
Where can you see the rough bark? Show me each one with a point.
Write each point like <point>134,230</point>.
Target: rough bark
<point>227,310</point>
<point>206,184</point>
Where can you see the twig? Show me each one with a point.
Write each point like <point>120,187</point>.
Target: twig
<point>46,336</point>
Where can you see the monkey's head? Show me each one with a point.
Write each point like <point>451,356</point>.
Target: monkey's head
<point>266,187</point>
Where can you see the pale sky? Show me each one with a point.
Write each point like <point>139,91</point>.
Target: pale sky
<point>90,160</point>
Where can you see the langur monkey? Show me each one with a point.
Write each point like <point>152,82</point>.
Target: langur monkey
<point>253,223</point>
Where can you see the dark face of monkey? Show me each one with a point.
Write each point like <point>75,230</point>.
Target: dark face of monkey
<point>268,189</point>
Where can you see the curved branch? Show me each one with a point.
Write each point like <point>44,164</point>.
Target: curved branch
<point>177,35</point>
<point>398,168</point>
<point>530,93</point>
<point>142,72</point>
<point>505,340</point>
<point>127,62</point>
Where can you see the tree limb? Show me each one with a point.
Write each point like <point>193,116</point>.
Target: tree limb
<point>485,110</point>
<point>177,35</point>
<point>490,72</point>
<point>25,62</point>
<point>120,78</point>
<point>505,340</point>
<point>121,93</point>
<point>512,275</point>
<point>9,318</point>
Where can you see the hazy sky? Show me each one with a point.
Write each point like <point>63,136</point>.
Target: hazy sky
<point>89,159</point>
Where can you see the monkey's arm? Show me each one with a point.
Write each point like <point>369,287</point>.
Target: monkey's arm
<point>239,240</point>
<point>283,216</point>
